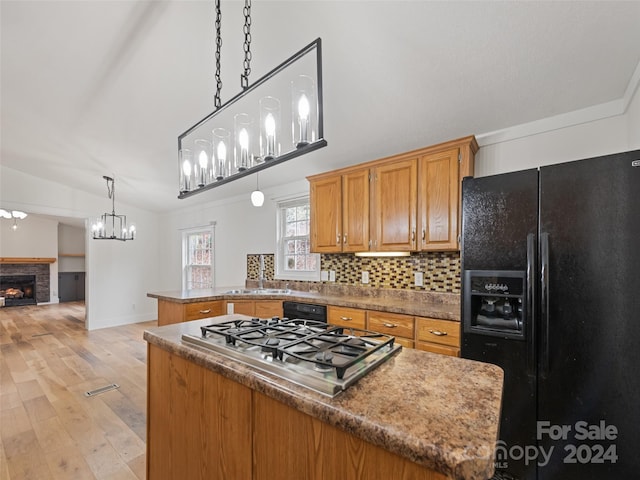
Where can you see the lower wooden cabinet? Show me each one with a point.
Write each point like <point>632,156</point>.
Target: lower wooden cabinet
<point>396,324</point>
<point>438,336</point>
<point>257,308</point>
<point>203,426</point>
<point>346,317</point>
<point>172,312</point>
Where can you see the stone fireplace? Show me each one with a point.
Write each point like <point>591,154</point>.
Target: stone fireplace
<point>30,280</point>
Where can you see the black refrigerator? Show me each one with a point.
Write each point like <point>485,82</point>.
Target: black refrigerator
<point>551,293</point>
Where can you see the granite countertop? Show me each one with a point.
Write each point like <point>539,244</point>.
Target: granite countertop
<point>438,411</point>
<point>444,306</point>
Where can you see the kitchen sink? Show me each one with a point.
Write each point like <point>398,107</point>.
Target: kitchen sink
<point>259,291</point>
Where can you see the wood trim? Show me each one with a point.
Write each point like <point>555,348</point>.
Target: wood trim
<point>4,260</point>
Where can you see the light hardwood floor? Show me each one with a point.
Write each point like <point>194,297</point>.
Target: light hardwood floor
<point>48,428</point>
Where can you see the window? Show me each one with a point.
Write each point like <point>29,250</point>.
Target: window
<point>197,258</point>
<point>293,259</point>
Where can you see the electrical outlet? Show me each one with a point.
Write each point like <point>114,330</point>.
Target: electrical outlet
<point>418,279</point>
<point>324,276</point>
<point>229,308</point>
<point>365,276</point>
<point>332,275</point>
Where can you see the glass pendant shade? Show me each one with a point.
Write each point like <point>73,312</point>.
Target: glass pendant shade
<point>243,143</point>
<point>221,147</point>
<point>203,165</point>
<point>257,198</point>
<point>270,126</point>
<point>303,111</point>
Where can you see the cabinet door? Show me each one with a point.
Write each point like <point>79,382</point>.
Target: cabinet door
<point>243,307</point>
<point>395,206</point>
<point>326,214</point>
<point>355,211</point>
<point>438,193</point>
<point>268,308</point>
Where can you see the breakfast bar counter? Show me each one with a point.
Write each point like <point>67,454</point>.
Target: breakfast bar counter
<point>417,415</point>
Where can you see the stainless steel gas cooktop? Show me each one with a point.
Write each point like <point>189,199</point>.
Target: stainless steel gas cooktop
<point>316,355</point>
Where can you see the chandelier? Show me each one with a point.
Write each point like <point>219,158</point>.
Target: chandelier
<point>15,214</point>
<point>110,226</point>
<point>276,119</point>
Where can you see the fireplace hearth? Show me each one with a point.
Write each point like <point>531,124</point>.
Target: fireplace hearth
<point>18,289</point>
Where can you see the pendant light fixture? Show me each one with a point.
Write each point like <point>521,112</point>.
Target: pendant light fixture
<point>257,197</point>
<point>110,226</point>
<point>15,214</point>
<point>277,118</point>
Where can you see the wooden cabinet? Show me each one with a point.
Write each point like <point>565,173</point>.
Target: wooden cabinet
<point>201,426</point>
<point>355,211</point>
<point>440,176</point>
<point>256,308</point>
<point>346,317</point>
<point>407,202</point>
<point>198,422</point>
<point>438,336</point>
<point>395,205</point>
<point>325,199</point>
<point>340,213</point>
<point>396,324</point>
<point>172,312</point>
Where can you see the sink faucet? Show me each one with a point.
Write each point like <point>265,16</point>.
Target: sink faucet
<point>261,274</point>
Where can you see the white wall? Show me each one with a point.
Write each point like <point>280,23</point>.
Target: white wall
<point>633,114</point>
<point>119,274</point>
<point>35,237</point>
<point>240,229</point>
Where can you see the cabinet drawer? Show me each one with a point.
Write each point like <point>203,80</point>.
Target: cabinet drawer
<point>394,324</point>
<point>194,311</point>
<point>443,332</point>
<point>436,348</point>
<point>346,317</point>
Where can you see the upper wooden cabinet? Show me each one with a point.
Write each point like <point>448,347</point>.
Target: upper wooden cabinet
<point>407,202</point>
<point>394,196</point>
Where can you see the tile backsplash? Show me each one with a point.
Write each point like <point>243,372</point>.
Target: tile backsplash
<point>441,270</point>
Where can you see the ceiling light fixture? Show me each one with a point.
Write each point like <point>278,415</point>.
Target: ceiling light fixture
<point>15,214</point>
<point>257,197</point>
<point>110,226</point>
<point>276,119</point>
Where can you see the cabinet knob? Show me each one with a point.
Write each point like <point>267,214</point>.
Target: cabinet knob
<point>344,239</point>
<point>413,235</point>
<point>424,235</point>
<point>438,333</point>
<point>390,325</point>
<point>338,239</point>
<point>346,319</point>
<point>205,311</point>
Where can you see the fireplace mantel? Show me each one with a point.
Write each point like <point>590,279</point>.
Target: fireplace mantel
<point>15,260</point>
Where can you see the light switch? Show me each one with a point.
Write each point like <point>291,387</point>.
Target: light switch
<point>229,308</point>
<point>324,275</point>
<point>418,279</point>
<point>332,275</point>
<point>365,276</point>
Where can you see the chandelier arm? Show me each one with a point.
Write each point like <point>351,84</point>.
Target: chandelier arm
<point>217,102</point>
<point>244,78</point>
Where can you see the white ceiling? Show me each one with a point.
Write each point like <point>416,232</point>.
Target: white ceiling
<point>92,88</point>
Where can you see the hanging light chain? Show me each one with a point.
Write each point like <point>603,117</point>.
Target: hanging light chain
<point>244,78</point>
<point>217,101</point>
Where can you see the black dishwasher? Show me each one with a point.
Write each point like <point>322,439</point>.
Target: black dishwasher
<point>305,311</point>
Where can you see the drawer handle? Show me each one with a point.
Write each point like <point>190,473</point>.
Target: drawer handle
<point>438,333</point>
<point>205,311</point>
<point>390,325</point>
<point>346,319</point>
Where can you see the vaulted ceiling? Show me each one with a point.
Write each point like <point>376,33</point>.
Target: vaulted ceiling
<point>92,88</point>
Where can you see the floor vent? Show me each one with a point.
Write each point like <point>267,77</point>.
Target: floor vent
<point>98,391</point>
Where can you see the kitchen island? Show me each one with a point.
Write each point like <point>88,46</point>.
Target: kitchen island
<point>418,415</point>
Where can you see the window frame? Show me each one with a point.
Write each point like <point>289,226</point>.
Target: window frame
<point>280,273</point>
<point>185,254</point>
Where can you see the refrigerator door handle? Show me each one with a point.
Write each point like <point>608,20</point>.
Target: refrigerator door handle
<point>544,302</point>
<point>530,305</point>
